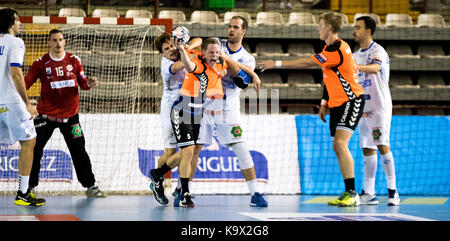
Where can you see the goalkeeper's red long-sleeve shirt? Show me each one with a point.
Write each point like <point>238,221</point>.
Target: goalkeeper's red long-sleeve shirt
<point>60,79</point>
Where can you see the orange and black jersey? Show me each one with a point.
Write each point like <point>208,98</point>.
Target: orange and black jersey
<point>339,73</point>
<point>204,81</point>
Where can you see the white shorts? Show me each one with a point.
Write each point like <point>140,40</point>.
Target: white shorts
<point>227,123</point>
<point>374,128</point>
<point>169,138</point>
<point>15,124</point>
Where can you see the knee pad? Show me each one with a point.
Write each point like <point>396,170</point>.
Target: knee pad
<point>243,155</point>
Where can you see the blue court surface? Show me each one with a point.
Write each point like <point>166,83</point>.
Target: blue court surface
<point>224,208</point>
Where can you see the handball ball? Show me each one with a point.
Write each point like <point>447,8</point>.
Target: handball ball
<point>182,33</point>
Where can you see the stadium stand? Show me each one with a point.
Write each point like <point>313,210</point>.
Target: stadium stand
<point>269,18</point>
<point>301,18</point>
<point>300,49</point>
<point>101,13</point>
<point>398,20</point>
<point>177,16</point>
<point>206,17</point>
<point>71,12</point>
<point>430,20</point>
<point>133,13</point>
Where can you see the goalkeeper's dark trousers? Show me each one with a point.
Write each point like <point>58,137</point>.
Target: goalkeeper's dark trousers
<point>70,128</point>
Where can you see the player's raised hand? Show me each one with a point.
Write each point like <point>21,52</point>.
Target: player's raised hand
<point>92,81</point>
<point>178,43</point>
<point>266,64</point>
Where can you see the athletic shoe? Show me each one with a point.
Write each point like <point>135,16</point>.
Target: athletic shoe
<point>258,200</point>
<point>186,201</point>
<point>338,200</point>
<point>25,199</point>
<point>394,201</point>
<point>346,199</point>
<point>350,199</point>
<point>176,201</point>
<point>367,199</point>
<point>157,188</point>
<point>31,191</point>
<point>94,192</point>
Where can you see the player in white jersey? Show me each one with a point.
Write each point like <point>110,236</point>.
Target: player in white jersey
<point>16,111</point>
<point>374,127</point>
<point>226,116</point>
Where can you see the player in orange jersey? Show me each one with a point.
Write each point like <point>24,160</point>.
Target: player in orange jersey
<point>203,81</point>
<point>342,93</point>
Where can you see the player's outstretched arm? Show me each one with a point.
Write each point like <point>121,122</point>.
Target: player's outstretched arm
<point>370,68</point>
<point>190,66</point>
<point>293,63</point>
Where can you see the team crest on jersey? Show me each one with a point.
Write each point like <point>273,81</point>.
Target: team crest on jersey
<point>376,134</point>
<point>236,131</point>
<point>48,70</point>
<point>76,131</point>
<point>69,67</point>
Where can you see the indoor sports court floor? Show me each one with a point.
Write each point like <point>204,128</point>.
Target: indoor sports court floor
<point>224,208</point>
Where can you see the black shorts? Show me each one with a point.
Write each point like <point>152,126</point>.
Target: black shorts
<point>186,116</point>
<point>346,116</point>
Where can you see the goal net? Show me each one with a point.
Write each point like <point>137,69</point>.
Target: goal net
<point>121,123</point>
<point>126,63</point>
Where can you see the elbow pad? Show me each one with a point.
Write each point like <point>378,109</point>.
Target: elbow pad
<point>242,79</point>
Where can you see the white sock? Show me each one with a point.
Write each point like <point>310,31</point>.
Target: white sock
<point>253,186</point>
<point>23,183</point>
<point>389,170</point>
<point>370,171</point>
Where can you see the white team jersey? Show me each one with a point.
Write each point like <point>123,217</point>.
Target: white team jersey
<point>376,86</point>
<point>12,51</point>
<point>231,91</point>
<point>171,81</point>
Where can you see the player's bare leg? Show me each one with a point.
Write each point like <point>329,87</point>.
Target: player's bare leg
<point>346,164</point>
<point>25,163</point>
<point>177,192</point>
<point>167,153</point>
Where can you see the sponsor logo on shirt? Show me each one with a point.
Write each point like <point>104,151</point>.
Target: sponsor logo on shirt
<point>62,84</point>
<point>320,57</point>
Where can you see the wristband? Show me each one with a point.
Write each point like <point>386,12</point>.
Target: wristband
<point>278,64</point>
<point>323,102</point>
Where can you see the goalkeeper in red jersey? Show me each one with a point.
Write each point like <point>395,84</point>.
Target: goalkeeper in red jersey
<point>61,73</point>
